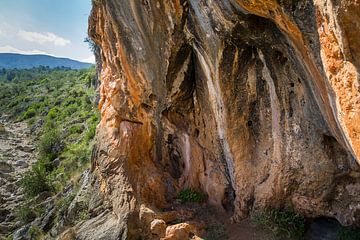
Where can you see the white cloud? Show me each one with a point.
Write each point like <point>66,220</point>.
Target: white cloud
<point>10,49</point>
<point>90,59</point>
<point>5,28</point>
<point>43,38</point>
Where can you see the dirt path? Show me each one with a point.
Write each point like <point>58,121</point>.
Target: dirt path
<point>16,157</point>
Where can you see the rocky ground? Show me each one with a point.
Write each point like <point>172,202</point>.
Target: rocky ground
<point>17,154</point>
<point>16,157</point>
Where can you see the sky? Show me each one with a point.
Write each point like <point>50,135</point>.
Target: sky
<point>52,27</point>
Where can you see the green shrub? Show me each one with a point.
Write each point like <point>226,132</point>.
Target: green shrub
<point>281,223</point>
<point>49,125</point>
<point>76,156</point>
<point>349,234</point>
<point>35,233</point>
<point>76,129</point>
<point>31,121</point>
<point>30,112</point>
<point>9,237</point>
<point>70,109</point>
<point>25,214</point>
<point>35,181</point>
<point>82,215</point>
<point>190,195</point>
<point>90,134</point>
<point>68,101</point>
<point>53,113</point>
<point>63,204</point>
<point>50,145</point>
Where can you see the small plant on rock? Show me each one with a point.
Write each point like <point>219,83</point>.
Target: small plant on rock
<point>190,195</point>
<point>25,214</point>
<point>36,233</point>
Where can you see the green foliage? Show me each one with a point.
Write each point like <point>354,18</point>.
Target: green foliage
<point>25,214</point>
<point>58,104</point>
<point>36,180</point>
<point>190,195</point>
<point>76,129</point>
<point>9,237</point>
<point>35,233</point>
<point>70,109</point>
<point>83,215</point>
<point>93,121</point>
<point>349,234</point>
<point>53,113</point>
<point>75,156</point>
<point>31,112</point>
<point>50,144</point>
<point>63,204</point>
<point>90,134</point>
<point>281,223</point>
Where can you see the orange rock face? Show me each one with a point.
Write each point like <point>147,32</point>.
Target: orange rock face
<point>254,103</point>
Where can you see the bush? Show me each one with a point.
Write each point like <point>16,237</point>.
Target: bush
<point>35,233</point>
<point>50,145</point>
<point>83,214</point>
<point>76,129</point>
<point>53,113</point>
<point>35,181</point>
<point>189,195</point>
<point>63,204</point>
<point>25,214</point>
<point>70,109</point>
<point>30,112</point>
<point>281,223</point>
<point>90,134</point>
<point>76,155</point>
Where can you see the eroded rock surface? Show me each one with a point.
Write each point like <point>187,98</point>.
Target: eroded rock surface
<point>254,103</point>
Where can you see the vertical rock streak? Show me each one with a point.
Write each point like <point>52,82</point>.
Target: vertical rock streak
<point>186,154</point>
<point>218,109</point>
<point>275,107</point>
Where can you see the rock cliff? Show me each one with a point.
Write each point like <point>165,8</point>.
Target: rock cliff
<point>254,103</point>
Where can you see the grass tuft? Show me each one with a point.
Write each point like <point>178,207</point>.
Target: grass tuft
<point>281,223</point>
<point>190,195</point>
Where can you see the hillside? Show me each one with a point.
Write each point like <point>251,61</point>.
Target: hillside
<point>20,61</point>
<point>47,123</point>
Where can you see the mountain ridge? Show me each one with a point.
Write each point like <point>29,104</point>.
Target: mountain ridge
<point>24,61</point>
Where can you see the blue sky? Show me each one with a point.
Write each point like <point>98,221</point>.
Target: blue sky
<point>54,27</point>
